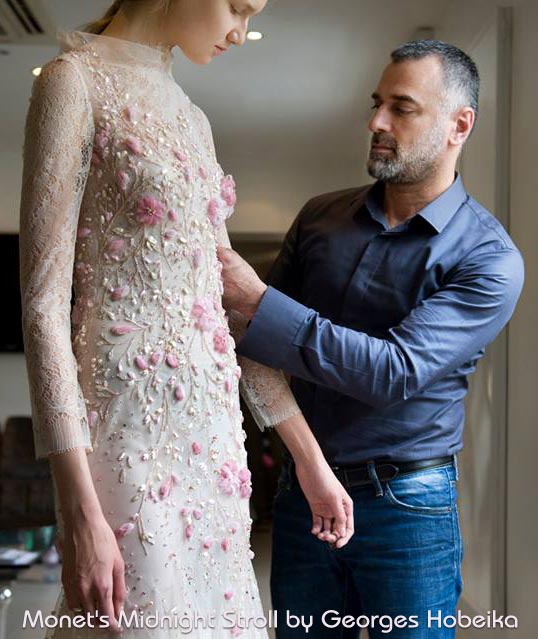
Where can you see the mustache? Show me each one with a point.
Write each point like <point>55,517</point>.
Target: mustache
<point>384,139</point>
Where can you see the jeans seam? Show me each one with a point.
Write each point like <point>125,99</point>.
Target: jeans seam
<point>456,540</point>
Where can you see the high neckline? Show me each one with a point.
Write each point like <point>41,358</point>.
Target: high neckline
<point>118,50</point>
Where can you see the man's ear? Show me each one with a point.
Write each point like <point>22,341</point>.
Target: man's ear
<point>464,121</point>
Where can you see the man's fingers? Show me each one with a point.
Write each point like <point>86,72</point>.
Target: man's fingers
<point>224,253</point>
<point>317,523</point>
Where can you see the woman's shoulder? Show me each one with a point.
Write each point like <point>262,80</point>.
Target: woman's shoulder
<point>63,71</point>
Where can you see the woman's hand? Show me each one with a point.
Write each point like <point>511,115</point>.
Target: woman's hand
<point>331,506</point>
<point>93,570</point>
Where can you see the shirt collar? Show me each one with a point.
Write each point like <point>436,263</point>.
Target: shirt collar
<point>437,213</point>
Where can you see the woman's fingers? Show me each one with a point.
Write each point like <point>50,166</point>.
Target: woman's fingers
<point>317,524</point>
<point>86,599</point>
<point>350,523</point>
<point>106,608</point>
<point>119,593</point>
<point>339,524</point>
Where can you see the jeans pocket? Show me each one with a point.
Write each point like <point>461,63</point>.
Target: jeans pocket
<point>427,492</point>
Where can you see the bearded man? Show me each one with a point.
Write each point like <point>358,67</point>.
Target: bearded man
<point>379,306</point>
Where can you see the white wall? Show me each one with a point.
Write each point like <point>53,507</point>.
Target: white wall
<point>523,340</point>
<point>522,431</point>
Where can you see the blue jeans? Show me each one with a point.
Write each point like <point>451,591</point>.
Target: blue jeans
<point>403,561</point>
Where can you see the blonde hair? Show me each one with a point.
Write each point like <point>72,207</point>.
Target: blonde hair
<point>98,26</point>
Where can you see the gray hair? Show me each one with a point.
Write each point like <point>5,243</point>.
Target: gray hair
<point>461,77</point>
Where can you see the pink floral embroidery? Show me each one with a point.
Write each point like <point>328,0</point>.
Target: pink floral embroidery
<point>202,173</point>
<point>116,245</point>
<point>150,210</point>
<point>166,487</point>
<point>179,393</point>
<point>124,529</point>
<point>93,416</point>
<point>170,234</point>
<point>83,232</point>
<point>123,329</point>
<point>225,544</point>
<point>227,190</point>
<point>220,340</point>
<point>119,293</point>
<point>122,179</point>
<point>207,544</point>
<point>196,448</point>
<point>228,386</point>
<point>214,213</point>
<point>197,514</point>
<point>203,311</point>
<point>96,159</point>
<point>172,215</point>
<point>134,145</point>
<point>245,491</point>
<point>185,512</point>
<point>197,257</point>
<point>231,480</point>
<point>172,360</point>
<point>228,595</point>
<point>188,531</point>
<point>180,155</point>
<point>129,113</point>
<point>141,363</point>
<point>155,358</point>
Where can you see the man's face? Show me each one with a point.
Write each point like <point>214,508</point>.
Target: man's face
<point>410,125</point>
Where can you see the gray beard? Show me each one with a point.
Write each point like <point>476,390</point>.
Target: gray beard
<point>415,166</point>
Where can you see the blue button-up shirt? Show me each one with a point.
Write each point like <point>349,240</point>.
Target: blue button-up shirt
<point>380,327</point>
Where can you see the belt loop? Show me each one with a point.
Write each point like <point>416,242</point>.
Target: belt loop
<point>456,468</point>
<point>375,479</point>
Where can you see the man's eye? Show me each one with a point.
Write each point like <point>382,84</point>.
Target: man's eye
<point>375,106</point>
<point>402,111</point>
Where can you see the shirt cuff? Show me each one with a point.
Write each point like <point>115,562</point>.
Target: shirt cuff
<point>269,339</point>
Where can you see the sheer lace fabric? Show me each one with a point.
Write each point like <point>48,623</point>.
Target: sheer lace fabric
<point>124,200</point>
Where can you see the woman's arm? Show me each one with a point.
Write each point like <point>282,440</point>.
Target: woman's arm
<point>57,152</point>
<point>272,404</point>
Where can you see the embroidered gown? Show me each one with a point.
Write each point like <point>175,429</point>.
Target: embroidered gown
<point>123,200</point>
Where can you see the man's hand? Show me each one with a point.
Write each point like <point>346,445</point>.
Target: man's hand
<point>243,289</point>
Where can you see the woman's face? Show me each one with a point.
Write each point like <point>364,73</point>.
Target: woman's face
<point>203,29</point>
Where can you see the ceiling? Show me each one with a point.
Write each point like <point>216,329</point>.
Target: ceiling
<point>297,101</point>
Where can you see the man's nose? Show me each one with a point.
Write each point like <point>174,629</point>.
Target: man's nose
<point>380,120</point>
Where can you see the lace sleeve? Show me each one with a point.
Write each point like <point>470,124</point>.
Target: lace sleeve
<point>264,390</point>
<point>57,151</point>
